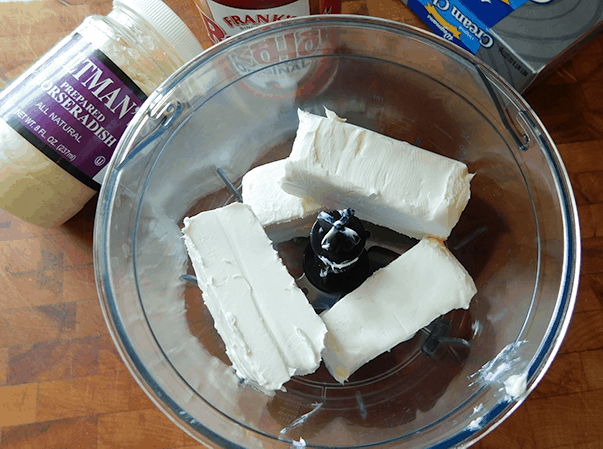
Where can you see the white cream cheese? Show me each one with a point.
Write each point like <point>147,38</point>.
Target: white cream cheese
<point>283,216</point>
<point>386,181</point>
<point>268,326</point>
<point>393,304</point>
<point>516,385</point>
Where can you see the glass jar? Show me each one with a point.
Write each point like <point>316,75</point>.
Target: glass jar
<point>60,121</point>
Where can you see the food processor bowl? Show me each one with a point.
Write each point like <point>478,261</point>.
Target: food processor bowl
<point>234,107</point>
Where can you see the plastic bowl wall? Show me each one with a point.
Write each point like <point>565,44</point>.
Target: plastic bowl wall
<point>235,107</point>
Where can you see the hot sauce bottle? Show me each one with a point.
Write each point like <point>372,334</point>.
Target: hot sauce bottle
<point>225,18</point>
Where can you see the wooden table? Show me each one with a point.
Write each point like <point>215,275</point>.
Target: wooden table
<point>62,383</point>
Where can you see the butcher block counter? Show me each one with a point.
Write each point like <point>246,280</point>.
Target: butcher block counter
<point>62,382</point>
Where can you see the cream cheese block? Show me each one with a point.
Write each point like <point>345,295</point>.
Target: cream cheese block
<point>270,330</point>
<point>283,216</point>
<point>387,182</point>
<point>422,284</point>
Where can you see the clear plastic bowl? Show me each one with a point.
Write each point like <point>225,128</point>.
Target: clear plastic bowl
<point>234,107</point>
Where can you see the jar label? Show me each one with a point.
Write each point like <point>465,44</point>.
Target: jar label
<point>228,21</point>
<point>74,107</point>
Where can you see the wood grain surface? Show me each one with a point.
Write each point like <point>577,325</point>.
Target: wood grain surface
<point>62,382</point>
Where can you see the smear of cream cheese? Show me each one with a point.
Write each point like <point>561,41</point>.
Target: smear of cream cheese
<point>507,372</point>
<point>507,363</point>
<point>299,444</point>
<point>515,385</point>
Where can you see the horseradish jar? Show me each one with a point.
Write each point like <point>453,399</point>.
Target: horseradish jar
<point>60,121</point>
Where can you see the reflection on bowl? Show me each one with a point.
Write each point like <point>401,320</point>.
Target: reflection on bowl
<point>518,236</point>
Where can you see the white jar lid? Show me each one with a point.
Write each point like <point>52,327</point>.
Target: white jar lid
<point>168,24</point>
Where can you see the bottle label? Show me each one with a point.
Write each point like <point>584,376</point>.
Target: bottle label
<point>228,21</point>
<point>74,107</point>
<point>285,65</point>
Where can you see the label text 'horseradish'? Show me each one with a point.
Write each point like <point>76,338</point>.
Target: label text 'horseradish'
<point>89,75</point>
<point>86,113</point>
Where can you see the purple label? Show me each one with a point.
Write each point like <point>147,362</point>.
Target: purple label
<point>74,107</point>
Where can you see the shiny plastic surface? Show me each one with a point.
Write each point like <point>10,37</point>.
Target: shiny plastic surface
<point>234,107</point>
